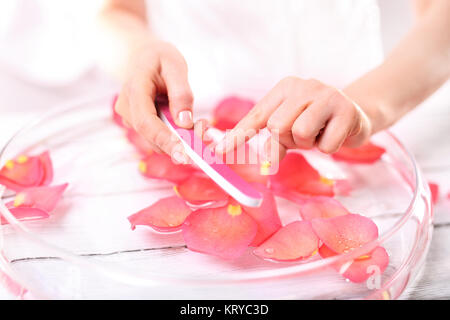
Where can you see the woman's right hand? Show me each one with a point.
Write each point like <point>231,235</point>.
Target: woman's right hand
<point>157,68</point>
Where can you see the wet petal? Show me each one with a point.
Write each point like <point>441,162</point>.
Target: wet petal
<point>24,172</point>
<point>434,188</point>
<point>266,215</point>
<point>247,164</point>
<point>297,175</point>
<point>44,198</point>
<point>47,165</point>
<point>321,207</point>
<point>161,166</point>
<point>345,233</point>
<point>361,268</point>
<point>230,111</point>
<point>225,232</point>
<point>26,214</point>
<point>199,188</point>
<point>165,215</point>
<point>293,242</point>
<point>371,264</point>
<point>367,153</point>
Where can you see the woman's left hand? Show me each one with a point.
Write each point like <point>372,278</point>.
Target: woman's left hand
<point>303,114</point>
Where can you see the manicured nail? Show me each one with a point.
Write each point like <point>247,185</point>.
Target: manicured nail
<point>220,148</point>
<point>180,157</point>
<point>208,135</point>
<point>185,118</point>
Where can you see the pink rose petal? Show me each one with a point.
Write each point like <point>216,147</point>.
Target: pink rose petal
<point>295,241</point>
<point>199,188</point>
<point>27,171</point>
<point>47,166</point>
<point>165,215</point>
<point>434,188</point>
<point>44,198</point>
<point>361,268</point>
<point>368,153</point>
<point>247,164</point>
<point>26,214</point>
<point>266,216</point>
<point>321,207</point>
<point>225,232</point>
<point>230,111</point>
<point>345,233</point>
<point>296,174</point>
<point>161,166</point>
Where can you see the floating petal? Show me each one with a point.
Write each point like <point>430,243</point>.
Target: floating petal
<point>266,215</point>
<point>345,233</point>
<point>161,166</point>
<point>44,198</point>
<point>434,188</point>
<point>27,171</point>
<point>295,241</point>
<point>368,153</point>
<point>296,174</point>
<point>165,215</point>
<point>199,188</point>
<point>220,232</point>
<point>26,214</point>
<point>230,111</point>
<point>321,207</point>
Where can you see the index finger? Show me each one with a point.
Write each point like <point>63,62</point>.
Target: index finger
<point>146,121</point>
<point>255,120</point>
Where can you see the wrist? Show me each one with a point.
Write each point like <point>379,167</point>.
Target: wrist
<point>376,110</point>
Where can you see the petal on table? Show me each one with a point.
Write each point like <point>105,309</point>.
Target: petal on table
<point>345,233</point>
<point>22,172</point>
<point>434,188</point>
<point>321,207</point>
<point>368,153</point>
<point>266,215</point>
<point>26,214</point>
<point>199,188</point>
<point>225,232</point>
<point>161,166</point>
<point>296,174</point>
<point>165,215</point>
<point>44,198</point>
<point>294,241</point>
<point>230,111</point>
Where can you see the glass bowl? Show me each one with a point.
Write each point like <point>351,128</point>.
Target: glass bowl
<point>86,249</point>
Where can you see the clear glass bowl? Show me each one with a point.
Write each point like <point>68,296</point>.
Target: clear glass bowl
<point>86,249</point>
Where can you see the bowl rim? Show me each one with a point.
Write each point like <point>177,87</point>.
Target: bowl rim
<point>152,278</point>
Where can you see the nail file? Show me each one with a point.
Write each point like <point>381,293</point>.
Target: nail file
<point>194,147</point>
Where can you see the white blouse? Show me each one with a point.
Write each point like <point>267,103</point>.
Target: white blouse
<point>245,47</point>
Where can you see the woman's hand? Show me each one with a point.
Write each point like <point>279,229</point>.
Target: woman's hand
<point>156,68</point>
<point>303,114</point>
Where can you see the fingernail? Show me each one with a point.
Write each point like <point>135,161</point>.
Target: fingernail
<point>220,148</point>
<point>185,118</point>
<point>180,157</point>
<point>208,135</point>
